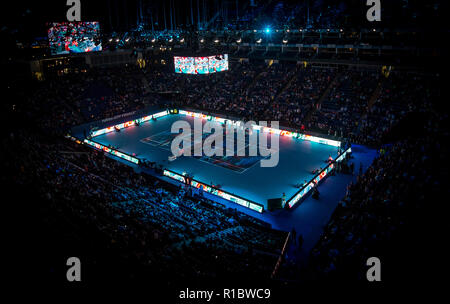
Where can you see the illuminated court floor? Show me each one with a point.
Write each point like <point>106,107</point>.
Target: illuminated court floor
<point>245,178</point>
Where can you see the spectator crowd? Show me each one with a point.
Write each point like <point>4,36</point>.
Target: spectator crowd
<point>162,229</point>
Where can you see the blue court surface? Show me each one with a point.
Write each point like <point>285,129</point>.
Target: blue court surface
<point>242,176</point>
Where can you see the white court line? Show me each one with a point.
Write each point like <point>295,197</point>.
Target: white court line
<point>208,160</point>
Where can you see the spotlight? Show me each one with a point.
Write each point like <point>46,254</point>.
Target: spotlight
<point>182,40</point>
<point>285,41</point>
<point>301,30</point>
<point>153,40</point>
<point>170,40</point>
<point>110,40</point>
<point>117,40</point>
<point>267,30</point>
<point>239,40</point>
<point>259,40</point>
<point>216,40</point>
<point>202,40</point>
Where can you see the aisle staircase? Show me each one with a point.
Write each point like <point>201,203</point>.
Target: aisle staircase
<point>252,83</point>
<point>322,98</point>
<point>287,85</point>
<point>376,93</point>
<point>146,85</point>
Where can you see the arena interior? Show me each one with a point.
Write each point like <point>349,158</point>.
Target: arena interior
<point>352,94</point>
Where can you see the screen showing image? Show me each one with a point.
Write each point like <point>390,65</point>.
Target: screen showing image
<point>184,65</point>
<point>201,65</point>
<point>218,63</point>
<point>179,63</point>
<point>74,37</point>
<point>224,63</point>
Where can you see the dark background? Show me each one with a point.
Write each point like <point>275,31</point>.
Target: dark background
<point>30,17</point>
<point>32,247</point>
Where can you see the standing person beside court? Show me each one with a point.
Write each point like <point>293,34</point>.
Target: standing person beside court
<point>300,241</point>
<point>294,236</point>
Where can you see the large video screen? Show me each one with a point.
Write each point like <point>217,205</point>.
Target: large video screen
<point>184,65</point>
<point>218,65</point>
<point>201,65</point>
<point>74,37</point>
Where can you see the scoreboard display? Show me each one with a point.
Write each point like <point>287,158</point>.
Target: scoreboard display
<point>201,65</point>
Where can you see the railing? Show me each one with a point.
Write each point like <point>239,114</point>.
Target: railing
<point>106,149</point>
<point>280,132</point>
<point>315,180</point>
<point>215,191</point>
<point>280,258</point>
